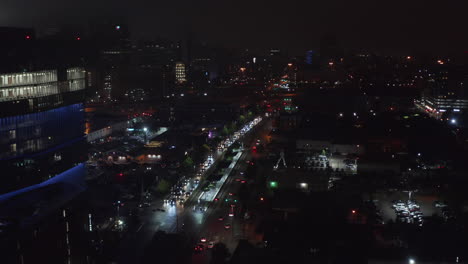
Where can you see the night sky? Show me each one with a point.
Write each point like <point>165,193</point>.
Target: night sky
<point>410,25</point>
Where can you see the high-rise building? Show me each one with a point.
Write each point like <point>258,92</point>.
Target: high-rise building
<point>180,73</point>
<point>41,125</point>
<point>309,57</point>
<point>446,92</point>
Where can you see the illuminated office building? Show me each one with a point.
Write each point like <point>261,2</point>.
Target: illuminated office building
<point>41,125</point>
<point>180,72</point>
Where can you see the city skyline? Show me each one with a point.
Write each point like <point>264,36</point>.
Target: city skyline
<point>396,27</point>
<point>233,132</point>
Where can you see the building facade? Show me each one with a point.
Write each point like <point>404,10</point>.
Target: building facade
<point>41,125</point>
<point>180,73</point>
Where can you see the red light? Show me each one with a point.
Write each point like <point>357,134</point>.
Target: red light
<point>28,37</point>
<point>120,174</point>
<point>261,199</point>
<point>216,199</point>
<point>242,181</point>
<point>78,38</point>
<point>353,211</point>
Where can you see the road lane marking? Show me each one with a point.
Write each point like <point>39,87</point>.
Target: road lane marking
<point>139,228</point>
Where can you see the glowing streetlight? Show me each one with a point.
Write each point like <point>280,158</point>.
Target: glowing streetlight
<point>411,261</point>
<point>146,134</point>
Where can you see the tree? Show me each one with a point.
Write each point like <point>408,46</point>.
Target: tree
<point>163,186</point>
<point>206,148</point>
<point>188,162</point>
<point>233,127</point>
<point>225,131</point>
<point>242,119</point>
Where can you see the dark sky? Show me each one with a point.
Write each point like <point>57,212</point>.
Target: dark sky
<point>408,25</point>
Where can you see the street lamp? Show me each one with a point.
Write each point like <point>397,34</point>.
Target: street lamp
<point>146,134</point>
<point>411,261</point>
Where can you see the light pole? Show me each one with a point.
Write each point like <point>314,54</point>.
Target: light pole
<point>145,129</point>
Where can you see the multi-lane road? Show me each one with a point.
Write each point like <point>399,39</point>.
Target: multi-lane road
<point>197,223</point>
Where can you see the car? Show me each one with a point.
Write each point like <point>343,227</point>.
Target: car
<point>199,248</point>
<point>231,214</point>
<point>439,204</point>
<point>220,218</point>
<point>227,226</point>
<point>203,239</point>
<point>210,245</point>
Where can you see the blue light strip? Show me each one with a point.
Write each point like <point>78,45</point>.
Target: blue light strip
<point>74,176</point>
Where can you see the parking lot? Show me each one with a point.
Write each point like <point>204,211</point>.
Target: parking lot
<point>342,163</point>
<point>387,201</point>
